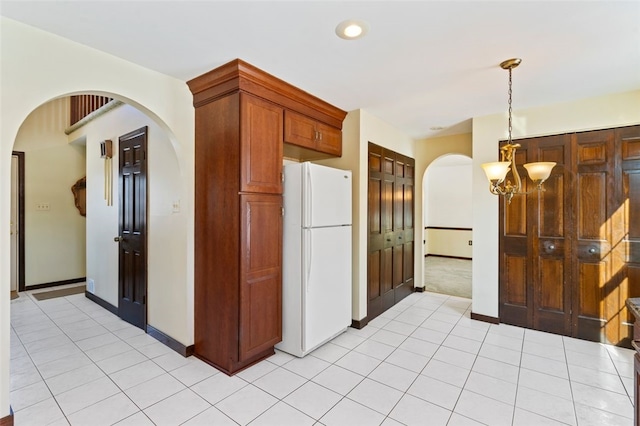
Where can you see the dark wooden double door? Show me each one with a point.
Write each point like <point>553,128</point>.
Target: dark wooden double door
<point>391,229</point>
<point>570,255</point>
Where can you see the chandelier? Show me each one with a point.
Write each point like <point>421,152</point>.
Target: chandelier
<point>497,171</point>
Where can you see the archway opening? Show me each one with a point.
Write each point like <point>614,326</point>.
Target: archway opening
<point>61,245</point>
<point>447,186</point>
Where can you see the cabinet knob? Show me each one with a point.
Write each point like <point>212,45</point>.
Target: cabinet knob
<point>388,239</point>
<point>592,250</point>
<point>552,247</point>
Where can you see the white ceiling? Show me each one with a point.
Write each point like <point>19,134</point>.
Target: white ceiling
<point>422,64</point>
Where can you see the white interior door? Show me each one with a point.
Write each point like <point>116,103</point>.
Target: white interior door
<point>14,223</point>
<point>327,284</point>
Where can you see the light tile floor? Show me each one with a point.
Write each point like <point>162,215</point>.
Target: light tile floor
<point>424,362</point>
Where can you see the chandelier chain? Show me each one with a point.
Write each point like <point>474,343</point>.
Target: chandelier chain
<point>510,93</point>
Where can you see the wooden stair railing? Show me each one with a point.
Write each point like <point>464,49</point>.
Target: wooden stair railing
<point>83,105</point>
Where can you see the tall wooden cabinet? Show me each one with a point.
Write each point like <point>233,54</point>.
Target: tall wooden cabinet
<point>240,122</point>
<point>569,256</point>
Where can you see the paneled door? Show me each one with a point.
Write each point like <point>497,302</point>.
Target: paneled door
<point>550,268</point>
<point>595,200</point>
<point>132,240</point>
<point>391,230</point>
<point>260,273</point>
<point>626,234</point>
<point>570,255</point>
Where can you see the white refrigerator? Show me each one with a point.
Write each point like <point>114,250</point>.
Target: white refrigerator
<point>316,279</point>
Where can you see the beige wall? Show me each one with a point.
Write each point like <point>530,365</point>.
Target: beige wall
<point>359,128</point>
<point>448,242</point>
<point>54,238</point>
<point>595,113</point>
<point>166,230</point>
<point>36,67</point>
<point>426,151</point>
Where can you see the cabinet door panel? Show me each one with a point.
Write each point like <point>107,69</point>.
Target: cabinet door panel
<point>329,140</point>
<point>299,130</point>
<point>260,146</point>
<point>260,273</point>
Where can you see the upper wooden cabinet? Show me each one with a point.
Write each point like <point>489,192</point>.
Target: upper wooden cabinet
<point>260,145</point>
<point>315,126</point>
<point>305,132</point>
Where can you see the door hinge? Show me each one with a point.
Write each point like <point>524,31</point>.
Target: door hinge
<point>282,211</point>
<point>282,176</point>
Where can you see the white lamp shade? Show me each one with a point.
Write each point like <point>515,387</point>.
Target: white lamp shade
<point>496,171</point>
<point>539,171</point>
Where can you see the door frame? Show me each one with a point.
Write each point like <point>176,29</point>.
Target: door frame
<point>21,250</point>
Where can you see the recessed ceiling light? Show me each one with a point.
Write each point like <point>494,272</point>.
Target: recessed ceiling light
<point>352,29</point>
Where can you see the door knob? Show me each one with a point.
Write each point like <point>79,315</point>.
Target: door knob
<point>118,239</point>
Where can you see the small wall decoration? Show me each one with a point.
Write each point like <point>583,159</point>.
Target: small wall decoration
<point>79,190</point>
<point>106,152</point>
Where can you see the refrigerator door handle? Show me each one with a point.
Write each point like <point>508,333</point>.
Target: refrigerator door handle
<point>309,256</point>
<point>308,198</point>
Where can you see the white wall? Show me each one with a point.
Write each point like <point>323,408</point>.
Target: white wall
<point>166,229</point>
<point>36,67</point>
<point>54,238</point>
<point>447,195</point>
<point>595,113</point>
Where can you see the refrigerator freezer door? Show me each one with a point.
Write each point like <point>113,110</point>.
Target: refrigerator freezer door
<point>326,291</point>
<point>326,196</point>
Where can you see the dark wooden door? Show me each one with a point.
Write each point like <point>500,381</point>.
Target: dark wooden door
<point>594,200</point>
<point>626,234</point>
<point>391,234</point>
<point>516,290</point>
<point>550,267</point>
<point>132,261</point>
<point>570,255</point>
<point>403,228</point>
<point>260,274</point>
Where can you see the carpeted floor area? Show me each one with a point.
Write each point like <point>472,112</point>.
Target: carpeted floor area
<point>447,276</point>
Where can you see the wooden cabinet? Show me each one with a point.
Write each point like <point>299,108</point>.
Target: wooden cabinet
<point>260,273</point>
<point>239,146</point>
<point>567,261</point>
<point>260,145</point>
<point>308,133</point>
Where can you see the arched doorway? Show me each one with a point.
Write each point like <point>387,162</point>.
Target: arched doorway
<point>448,225</point>
<point>56,156</point>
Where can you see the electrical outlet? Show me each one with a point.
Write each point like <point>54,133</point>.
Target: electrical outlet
<point>91,285</point>
<point>175,207</point>
<point>470,243</point>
